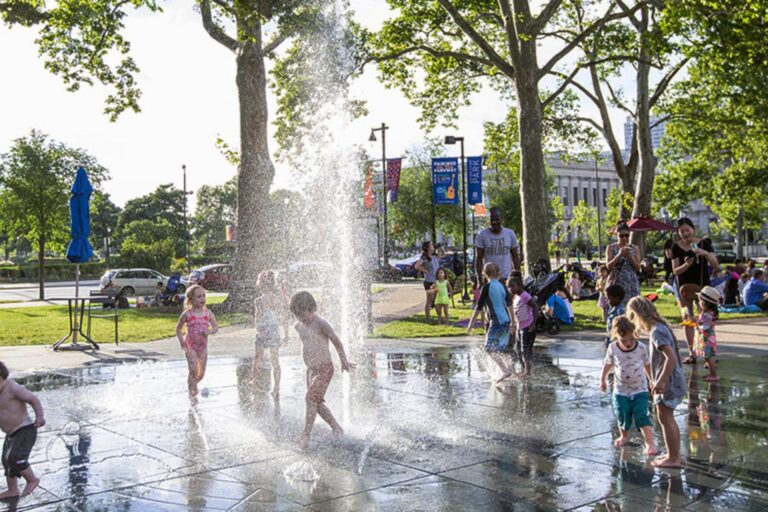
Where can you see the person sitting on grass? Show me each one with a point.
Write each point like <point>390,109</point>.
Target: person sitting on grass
<point>756,291</point>
<point>496,299</point>
<point>558,307</point>
<point>20,434</point>
<point>630,361</point>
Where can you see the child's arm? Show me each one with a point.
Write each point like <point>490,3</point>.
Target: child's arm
<point>660,386</point>
<point>214,328</point>
<point>648,374</point>
<point>331,335</point>
<point>179,324</point>
<point>25,395</point>
<point>607,367</point>
<point>472,320</point>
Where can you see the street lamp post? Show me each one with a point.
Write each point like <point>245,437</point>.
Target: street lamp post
<point>598,201</point>
<point>186,226</point>
<point>450,139</point>
<point>383,129</point>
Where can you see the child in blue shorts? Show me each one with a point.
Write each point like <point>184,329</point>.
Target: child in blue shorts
<point>496,299</point>
<point>630,361</point>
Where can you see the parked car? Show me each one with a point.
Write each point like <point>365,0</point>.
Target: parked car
<point>407,267</point>
<point>726,256</point>
<point>214,277</point>
<point>136,281</point>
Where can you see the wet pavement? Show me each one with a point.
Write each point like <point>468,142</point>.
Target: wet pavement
<point>426,430</point>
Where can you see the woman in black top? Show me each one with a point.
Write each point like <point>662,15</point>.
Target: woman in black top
<point>691,259</point>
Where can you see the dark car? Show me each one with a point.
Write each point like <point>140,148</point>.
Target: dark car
<point>215,277</point>
<point>407,266</point>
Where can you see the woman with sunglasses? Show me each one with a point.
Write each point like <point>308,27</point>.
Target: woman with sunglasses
<point>623,262</point>
<point>692,258</point>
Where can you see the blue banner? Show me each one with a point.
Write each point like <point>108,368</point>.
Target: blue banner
<point>445,183</point>
<point>474,179</point>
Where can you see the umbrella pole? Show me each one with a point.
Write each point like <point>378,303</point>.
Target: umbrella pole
<point>77,295</point>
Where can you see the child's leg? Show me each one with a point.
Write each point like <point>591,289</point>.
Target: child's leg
<point>324,412</point>
<point>192,366</point>
<point>643,422</point>
<point>274,358</point>
<point>712,367</point>
<point>258,356</point>
<point>445,313</point>
<point>439,312</point>
<point>318,380</point>
<point>202,364</point>
<point>650,444</point>
<point>671,434</point>
<point>528,337</point>
<point>13,488</point>
<point>32,481</point>
<point>622,411</point>
<point>623,438</point>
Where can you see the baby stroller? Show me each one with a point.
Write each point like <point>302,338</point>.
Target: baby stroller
<point>542,289</point>
<point>169,296</point>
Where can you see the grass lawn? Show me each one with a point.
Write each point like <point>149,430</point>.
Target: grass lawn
<point>43,325</point>
<point>588,316</point>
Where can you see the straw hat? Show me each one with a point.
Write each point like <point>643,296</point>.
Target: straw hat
<point>710,295</point>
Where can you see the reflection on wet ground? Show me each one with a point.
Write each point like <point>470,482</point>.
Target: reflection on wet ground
<point>427,430</point>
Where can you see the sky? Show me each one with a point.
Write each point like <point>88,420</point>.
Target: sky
<point>189,99</point>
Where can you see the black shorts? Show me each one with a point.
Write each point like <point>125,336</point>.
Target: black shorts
<point>16,449</point>
<point>428,285</point>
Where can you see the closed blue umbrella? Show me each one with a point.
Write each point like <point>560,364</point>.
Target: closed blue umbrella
<point>79,249</point>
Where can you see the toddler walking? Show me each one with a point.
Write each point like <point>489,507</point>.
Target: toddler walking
<point>268,309</point>
<point>704,338</point>
<point>495,297</point>
<point>668,384</point>
<point>315,333</point>
<point>630,361</point>
<point>524,308</point>
<point>20,434</point>
<point>201,323</point>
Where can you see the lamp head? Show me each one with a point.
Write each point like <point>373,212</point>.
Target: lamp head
<point>450,139</point>
<point>372,138</point>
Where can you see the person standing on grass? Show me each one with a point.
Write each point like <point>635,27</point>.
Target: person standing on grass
<point>428,265</point>
<point>668,385</point>
<point>496,299</point>
<point>443,292</point>
<point>499,245</point>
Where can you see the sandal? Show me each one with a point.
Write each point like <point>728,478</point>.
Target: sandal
<point>689,360</point>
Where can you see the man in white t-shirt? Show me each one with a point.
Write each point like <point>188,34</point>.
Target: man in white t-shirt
<point>499,245</point>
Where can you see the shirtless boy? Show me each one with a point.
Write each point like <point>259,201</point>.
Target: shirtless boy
<point>315,333</point>
<point>20,434</point>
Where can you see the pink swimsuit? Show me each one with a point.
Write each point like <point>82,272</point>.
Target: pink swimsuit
<point>197,329</point>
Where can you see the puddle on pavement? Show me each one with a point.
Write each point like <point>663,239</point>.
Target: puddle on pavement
<point>425,428</point>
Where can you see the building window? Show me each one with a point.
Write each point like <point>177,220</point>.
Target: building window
<point>585,197</point>
<point>565,196</point>
<point>605,198</point>
<point>575,196</point>
<point>594,196</point>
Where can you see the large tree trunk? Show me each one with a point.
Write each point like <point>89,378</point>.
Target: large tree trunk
<point>533,192</point>
<point>41,266</point>
<point>646,159</point>
<point>255,174</point>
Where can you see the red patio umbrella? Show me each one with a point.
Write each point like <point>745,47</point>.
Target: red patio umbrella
<point>648,224</point>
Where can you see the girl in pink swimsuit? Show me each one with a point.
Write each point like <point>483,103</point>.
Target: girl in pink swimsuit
<point>201,323</point>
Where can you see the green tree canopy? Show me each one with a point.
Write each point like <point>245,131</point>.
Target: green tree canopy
<point>215,209</point>
<point>166,204</point>
<point>148,243</point>
<point>104,217</point>
<point>35,180</point>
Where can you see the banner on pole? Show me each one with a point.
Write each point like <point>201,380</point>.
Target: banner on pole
<point>368,195</point>
<point>393,178</point>
<point>445,173</point>
<point>474,179</point>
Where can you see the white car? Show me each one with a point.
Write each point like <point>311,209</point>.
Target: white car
<point>136,281</point>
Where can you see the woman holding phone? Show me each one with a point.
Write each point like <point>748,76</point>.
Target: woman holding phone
<point>692,258</point>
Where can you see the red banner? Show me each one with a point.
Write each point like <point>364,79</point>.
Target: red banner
<point>393,178</point>
<point>368,196</point>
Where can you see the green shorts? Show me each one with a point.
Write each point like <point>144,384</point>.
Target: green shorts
<point>631,410</point>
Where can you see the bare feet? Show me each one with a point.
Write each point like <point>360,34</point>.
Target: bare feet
<point>31,485</point>
<point>8,495</point>
<point>504,376</point>
<point>622,441</point>
<point>711,378</point>
<point>666,462</point>
<point>651,451</point>
<point>302,441</point>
